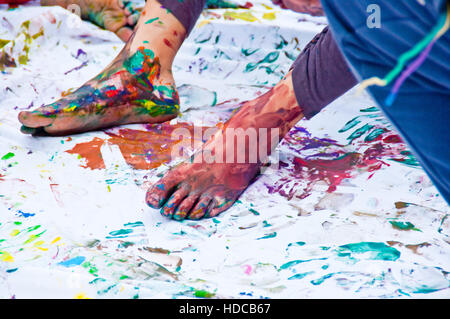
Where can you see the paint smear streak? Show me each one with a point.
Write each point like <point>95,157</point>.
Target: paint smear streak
<point>325,160</point>
<point>141,150</point>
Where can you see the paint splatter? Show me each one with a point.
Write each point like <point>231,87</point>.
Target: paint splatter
<point>141,150</point>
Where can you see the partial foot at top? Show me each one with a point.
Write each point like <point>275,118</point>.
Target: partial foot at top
<point>118,16</point>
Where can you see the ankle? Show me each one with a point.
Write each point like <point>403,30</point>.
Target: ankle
<point>160,31</point>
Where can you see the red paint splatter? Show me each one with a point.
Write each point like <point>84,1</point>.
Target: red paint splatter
<point>166,42</point>
<point>247,5</point>
<point>332,163</point>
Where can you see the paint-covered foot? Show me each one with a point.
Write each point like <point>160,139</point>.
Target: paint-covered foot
<point>137,87</point>
<point>118,16</point>
<point>200,190</point>
<point>133,89</point>
<point>229,161</point>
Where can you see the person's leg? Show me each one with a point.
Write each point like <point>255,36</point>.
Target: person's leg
<point>421,111</point>
<point>137,87</point>
<point>118,16</point>
<point>195,190</point>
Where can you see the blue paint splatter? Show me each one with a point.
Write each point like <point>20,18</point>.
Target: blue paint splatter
<point>73,262</point>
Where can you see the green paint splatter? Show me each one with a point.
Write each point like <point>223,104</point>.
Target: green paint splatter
<point>151,20</point>
<point>8,156</point>
<point>203,294</point>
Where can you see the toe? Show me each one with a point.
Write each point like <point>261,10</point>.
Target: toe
<point>35,119</point>
<point>28,130</point>
<point>128,7</point>
<point>157,194</point>
<point>185,207</point>
<point>173,202</point>
<point>201,209</point>
<point>124,33</point>
<point>133,18</point>
<point>220,204</point>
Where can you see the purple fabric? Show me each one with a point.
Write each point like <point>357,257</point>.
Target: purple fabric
<point>320,74</point>
<point>186,11</point>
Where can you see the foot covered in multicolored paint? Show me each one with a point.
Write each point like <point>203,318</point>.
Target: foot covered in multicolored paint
<point>118,16</point>
<point>137,87</point>
<point>213,179</point>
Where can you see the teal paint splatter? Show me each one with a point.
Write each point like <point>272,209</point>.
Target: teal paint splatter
<point>296,262</point>
<point>269,58</point>
<point>320,280</point>
<point>378,251</point>
<point>121,233</point>
<point>403,226</point>
<point>151,20</point>
<point>135,224</point>
<point>374,134</point>
<point>271,235</point>
<point>298,243</point>
<point>300,276</point>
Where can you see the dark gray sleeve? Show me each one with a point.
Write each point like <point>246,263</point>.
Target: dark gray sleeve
<point>320,74</point>
<point>186,11</point>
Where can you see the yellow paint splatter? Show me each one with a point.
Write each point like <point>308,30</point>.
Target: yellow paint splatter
<point>55,240</point>
<point>5,256</point>
<point>15,232</point>
<point>246,16</point>
<point>203,23</point>
<point>81,295</point>
<point>269,16</point>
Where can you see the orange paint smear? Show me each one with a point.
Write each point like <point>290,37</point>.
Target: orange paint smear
<point>90,152</point>
<point>140,149</point>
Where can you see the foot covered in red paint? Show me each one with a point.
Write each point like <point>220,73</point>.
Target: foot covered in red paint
<point>137,87</point>
<point>213,179</point>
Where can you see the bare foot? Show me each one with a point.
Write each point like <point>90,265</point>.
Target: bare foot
<point>137,87</point>
<point>118,16</point>
<point>213,180</point>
